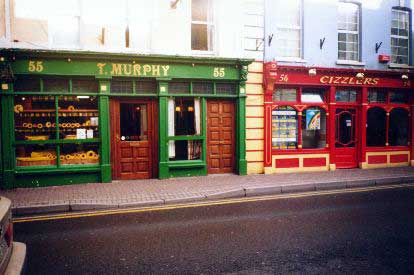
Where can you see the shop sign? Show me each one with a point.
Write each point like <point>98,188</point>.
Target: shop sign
<point>348,80</point>
<point>313,119</point>
<point>125,69</point>
<point>284,113</point>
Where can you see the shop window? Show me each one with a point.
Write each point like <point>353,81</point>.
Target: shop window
<point>202,26</point>
<point>84,86</point>
<point>284,95</point>
<point>27,85</point>
<point>35,155</point>
<point>314,128</point>
<point>56,85</point>
<point>345,96</point>
<point>312,95</point>
<point>134,122</point>
<point>202,88</point>
<point>83,153</point>
<point>34,117</point>
<point>226,88</point>
<point>398,130</point>
<point>377,96</point>
<point>376,127</point>
<point>288,39</point>
<point>400,36</point>
<point>145,87</point>
<point>78,117</point>
<point>348,31</point>
<point>284,128</point>
<point>179,88</point>
<point>122,86</point>
<point>398,97</point>
<point>183,120</point>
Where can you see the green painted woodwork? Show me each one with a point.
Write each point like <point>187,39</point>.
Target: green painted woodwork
<point>103,67</point>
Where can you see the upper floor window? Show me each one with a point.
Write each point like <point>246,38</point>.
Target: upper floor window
<point>64,25</point>
<point>288,39</point>
<point>202,26</point>
<point>400,36</point>
<point>348,31</point>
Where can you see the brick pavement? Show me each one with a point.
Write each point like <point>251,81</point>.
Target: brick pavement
<point>180,190</point>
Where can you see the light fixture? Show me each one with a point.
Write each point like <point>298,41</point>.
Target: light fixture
<point>312,72</point>
<point>138,109</point>
<point>404,77</point>
<point>177,108</point>
<point>360,75</point>
<point>190,108</point>
<point>82,96</point>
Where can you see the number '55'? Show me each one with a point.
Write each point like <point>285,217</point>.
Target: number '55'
<point>35,66</point>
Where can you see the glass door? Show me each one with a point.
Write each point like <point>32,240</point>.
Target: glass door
<point>346,137</point>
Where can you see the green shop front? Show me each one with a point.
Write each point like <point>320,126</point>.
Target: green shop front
<point>76,117</point>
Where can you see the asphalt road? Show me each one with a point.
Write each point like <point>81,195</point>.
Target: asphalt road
<point>360,233</point>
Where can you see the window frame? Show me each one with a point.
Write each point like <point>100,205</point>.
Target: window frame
<point>285,27</point>
<point>388,107</point>
<point>408,37</point>
<point>209,23</point>
<point>300,107</point>
<point>357,32</point>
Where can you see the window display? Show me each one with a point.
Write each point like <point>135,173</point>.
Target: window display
<point>35,155</point>
<point>79,154</point>
<point>314,128</point>
<point>284,128</point>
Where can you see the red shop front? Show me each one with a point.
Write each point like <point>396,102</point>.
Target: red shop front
<point>320,119</point>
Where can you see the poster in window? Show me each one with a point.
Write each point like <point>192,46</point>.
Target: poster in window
<point>313,119</point>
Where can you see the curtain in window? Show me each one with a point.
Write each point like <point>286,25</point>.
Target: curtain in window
<point>197,114</point>
<point>144,123</point>
<point>171,127</point>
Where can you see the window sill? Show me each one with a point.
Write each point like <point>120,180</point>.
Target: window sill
<point>185,163</point>
<point>203,53</point>
<point>292,59</point>
<point>399,66</point>
<point>298,151</point>
<point>350,63</point>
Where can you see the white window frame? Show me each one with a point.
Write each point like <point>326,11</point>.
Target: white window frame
<point>357,32</point>
<point>211,41</point>
<point>400,36</point>
<point>295,28</point>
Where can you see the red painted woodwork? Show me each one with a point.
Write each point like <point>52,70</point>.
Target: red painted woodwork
<point>220,136</point>
<point>399,158</point>
<point>314,162</point>
<point>134,159</point>
<point>287,163</point>
<point>346,133</point>
<point>381,159</point>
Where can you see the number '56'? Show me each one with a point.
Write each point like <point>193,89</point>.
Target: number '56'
<point>35,66</point>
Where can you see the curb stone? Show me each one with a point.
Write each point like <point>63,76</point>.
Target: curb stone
<point>262,190</point>
<point>182,200</point>
<point>330,185</point>
<point>291,188</point>
<point>235,193</point>
<point>40,209</point>
<point>360,183</point>
<point>140,204</point>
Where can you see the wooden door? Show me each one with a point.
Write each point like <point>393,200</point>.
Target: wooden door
<point>220,136</point>
<point>132,139</point>
<point>346,133</point>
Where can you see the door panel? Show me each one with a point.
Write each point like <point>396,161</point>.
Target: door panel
<point>132,142</point>
<point>220,136</point>
<point>346,137</point>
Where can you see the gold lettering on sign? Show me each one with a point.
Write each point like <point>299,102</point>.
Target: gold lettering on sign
<point>346,80</point>
<point>127,69</point>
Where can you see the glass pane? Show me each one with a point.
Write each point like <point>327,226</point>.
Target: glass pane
<point>145,87</point>
<point>133,122</point>
<point>184,117</point>
<point>226,88</point>
<point>399,127</point>
<point>398,97</point>
<point>35,155</point>
<point>84,86</point>
<point>312,95</point>
<point>56,85</point>
<point>179,88</point>
<point>288,12</point>
<point>71,154</point>
<point>26,85</point>
<point>376,127</point>
<point>284,128</point>
<point>34,117</point>
<point>377,96</point>
<point>78,117</point>
<point>345,128</point>
<point>121,86</point>
<point>199,10</point>
<point>202,88</point>
<point>201,35</point>
<point>345,96</point>
<point>284,95</point>
<point>185,149</point>
<point>314,128</point>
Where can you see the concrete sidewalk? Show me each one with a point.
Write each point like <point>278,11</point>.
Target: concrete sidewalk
<point>140,193</point>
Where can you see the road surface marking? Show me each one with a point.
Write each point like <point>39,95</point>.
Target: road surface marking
<point>204,203</point>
